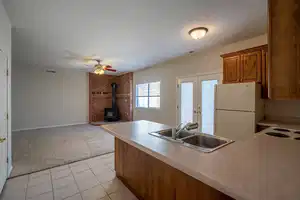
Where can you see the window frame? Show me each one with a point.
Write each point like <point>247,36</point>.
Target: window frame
<point>148,95</point>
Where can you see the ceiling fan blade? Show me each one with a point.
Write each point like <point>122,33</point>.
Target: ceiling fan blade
<point>112,70</point>
<point>73,55</point>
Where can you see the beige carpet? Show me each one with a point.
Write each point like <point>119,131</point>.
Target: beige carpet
<point>35,150</point>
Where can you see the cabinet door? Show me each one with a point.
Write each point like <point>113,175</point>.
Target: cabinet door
<point>231,69</point>
<point>251,67</point>
<point>188,188</point>
<point>284,49</point>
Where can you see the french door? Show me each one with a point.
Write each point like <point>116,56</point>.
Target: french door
<point>196,101</point>
<point>187,108</point>
<point>3,119</point>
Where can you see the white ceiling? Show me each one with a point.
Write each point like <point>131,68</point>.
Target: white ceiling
<point>130,34</point>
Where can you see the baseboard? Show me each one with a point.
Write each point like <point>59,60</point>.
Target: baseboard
<point>41,127</point>
<point>9,171</point>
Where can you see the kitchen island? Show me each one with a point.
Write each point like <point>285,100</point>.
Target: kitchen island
<point>261,168</point>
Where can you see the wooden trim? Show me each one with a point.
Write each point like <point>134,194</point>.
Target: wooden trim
<point>244,51</point>
<point>269,78</point>
<point>265,74</point>
<point>90,99</point>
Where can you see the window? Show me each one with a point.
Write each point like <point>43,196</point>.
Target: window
<point>148,95</point>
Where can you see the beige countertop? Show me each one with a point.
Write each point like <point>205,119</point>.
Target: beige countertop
<point>262,168</point>
<point>281,124</point>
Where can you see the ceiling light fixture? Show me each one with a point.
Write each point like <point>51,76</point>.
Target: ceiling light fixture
<point>198,33</point>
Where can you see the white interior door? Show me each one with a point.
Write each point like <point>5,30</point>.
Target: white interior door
<point>187,104</point>
<point>3,119</point>
<point>206,102</point>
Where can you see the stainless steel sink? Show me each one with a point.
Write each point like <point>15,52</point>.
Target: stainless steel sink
<point>167,134</point>
<point>205,143</point>
<point>198,141</point>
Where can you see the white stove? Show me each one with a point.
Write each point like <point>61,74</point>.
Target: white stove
<point>282,133</point>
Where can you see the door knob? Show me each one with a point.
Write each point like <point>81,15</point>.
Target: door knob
<point>2,140</point>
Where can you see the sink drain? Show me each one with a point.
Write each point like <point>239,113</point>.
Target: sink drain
<point>275,134</point>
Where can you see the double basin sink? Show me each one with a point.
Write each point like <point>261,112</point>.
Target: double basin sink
<point>199,141</point>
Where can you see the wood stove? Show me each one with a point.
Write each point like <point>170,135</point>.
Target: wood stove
<point>112,114</point>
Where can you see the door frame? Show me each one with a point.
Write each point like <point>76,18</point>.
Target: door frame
<point>197,75</point>
<point>7,110</point>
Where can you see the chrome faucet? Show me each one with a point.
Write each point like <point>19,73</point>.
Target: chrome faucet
<point>188,126</point>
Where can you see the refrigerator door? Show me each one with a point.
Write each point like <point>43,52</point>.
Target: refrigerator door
<point>235,125</point>
<point>239,97</point>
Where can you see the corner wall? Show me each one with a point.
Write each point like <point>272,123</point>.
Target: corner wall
<point>43,99</point>
<point>208,61</point>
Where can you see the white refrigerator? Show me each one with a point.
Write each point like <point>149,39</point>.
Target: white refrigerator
<point>238,107</point>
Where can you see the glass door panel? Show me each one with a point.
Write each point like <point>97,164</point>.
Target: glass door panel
<point>208,106</point>
<point>187,105</point>
<point>206,102</point>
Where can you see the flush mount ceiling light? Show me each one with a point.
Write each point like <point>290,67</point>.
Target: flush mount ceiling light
<point>198,33</point>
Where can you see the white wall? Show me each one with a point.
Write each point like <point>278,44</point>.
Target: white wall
<point>41,99</point>
<point>287,110</point>
<point>5,45</point>
<point>202,62</point>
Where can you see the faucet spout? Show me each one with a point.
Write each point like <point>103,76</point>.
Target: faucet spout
<point>188,126</point>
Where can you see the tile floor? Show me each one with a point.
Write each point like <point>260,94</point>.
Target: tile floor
<point>40,149</point>
<point>91,179</point>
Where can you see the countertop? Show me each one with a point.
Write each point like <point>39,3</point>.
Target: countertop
<point>261,168</point>
<point>281,124</point>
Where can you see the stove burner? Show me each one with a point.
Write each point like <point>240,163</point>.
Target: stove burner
<point>275,134</point>
<point>281,129</point>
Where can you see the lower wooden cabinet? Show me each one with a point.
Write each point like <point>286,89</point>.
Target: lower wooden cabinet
<point>151,179</point>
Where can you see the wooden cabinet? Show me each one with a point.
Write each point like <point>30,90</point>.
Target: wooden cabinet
<point>151,179</point>
<point>232,69</point>
<point>251,67</point>
<point>284,49</point>
<point>248,65</point>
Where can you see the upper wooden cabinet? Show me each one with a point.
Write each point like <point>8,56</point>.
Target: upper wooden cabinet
<point>284,49</point>
<point>232,69</point>
<point>249,65</point>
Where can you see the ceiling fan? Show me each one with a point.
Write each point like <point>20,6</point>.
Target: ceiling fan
<point>100,68</point>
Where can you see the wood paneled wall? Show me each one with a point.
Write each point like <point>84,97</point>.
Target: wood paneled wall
<point>100,95</point>
<point>124,96</point>
<point>151,179</point>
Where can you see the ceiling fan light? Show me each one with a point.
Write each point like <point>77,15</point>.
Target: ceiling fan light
<point>99,71</point>
<point>198,33</point>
